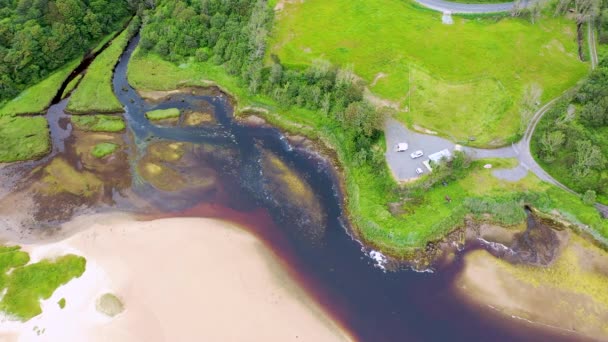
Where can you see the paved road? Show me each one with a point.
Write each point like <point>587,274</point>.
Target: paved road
<point>454,7</point>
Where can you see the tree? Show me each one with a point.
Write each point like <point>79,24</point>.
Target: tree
<point>550,142</point>
<point>584,12</point>
<point>588,157</point>
<point>589,197</point>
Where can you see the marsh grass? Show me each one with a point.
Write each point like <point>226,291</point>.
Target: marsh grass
<point>27,284</point>
<point>99,123</point>
<point>23,138</point>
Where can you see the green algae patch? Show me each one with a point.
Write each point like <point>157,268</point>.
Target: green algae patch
<point>61,303</point>
<point>570,272</point>
<point>172,166</point>
<point>23,138</point>
<point>103,149</point>
<point>167,151</point>
<point>99,123</point>
<point>109,304</point>
<point>192,118</point>
<point>169,115</point>
<point>568,294</point>
<point>61,177</point>
<point>287,186</point>
<point>26,284</point>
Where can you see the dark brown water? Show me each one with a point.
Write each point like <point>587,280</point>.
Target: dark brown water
<point>369,302</point>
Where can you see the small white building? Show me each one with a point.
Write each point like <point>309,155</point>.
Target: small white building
<point>438,156</point>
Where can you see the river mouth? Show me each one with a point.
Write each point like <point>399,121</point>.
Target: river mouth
<point>251,175</point>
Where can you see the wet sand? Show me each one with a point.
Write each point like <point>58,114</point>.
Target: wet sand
<point>180,279</point>
<point>567,297</point>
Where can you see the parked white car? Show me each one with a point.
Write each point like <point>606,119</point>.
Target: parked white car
<point>419,171</point>
<point>401,147</point>
<point>416,154</point>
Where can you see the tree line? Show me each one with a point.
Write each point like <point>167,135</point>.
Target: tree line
<point>39,36</point>
<point>572,138</point>
<point>234,33</point>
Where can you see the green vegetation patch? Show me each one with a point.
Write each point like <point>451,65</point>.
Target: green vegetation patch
<point>370,186</point>
<point>37,98</point>
<point>571,140</point>
<point>71,85</point>
<point>60,177</point>
<point>469,79</point>
<point>61,303</point>
<point>95,93</point>
<point>163,114</point>
<point>23,138</point>
<point>103,149</point>
<point>99,123</point>
<point>26,284</point>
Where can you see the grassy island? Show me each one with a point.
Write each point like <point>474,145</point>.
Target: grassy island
<point>163,114</point>
<point>99,123</point>
<point>103,149</point>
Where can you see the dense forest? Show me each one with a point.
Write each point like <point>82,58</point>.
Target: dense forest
<point>572,139</point>
<point>234,34</point>
<point>39,36</point>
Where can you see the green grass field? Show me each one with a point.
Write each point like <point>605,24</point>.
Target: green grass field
<point>94,93</point>
<point>27,284</point>
<point>98,123</point>
<point>163,114</point>
<point>23,138</point>
<point>370,189</point>
<point>36,99</point>
<point>462,80</point>
<point>103,149</point>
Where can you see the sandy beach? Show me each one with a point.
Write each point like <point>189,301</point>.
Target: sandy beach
<point>180,279</point>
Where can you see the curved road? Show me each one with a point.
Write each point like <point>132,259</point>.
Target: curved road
<point>403,168</point>
<point>454,7</point>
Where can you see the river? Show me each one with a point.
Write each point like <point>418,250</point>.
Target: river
<point>372,304</point>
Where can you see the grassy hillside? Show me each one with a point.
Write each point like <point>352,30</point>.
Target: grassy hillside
<point>462,80</point>
<point>424,215</point>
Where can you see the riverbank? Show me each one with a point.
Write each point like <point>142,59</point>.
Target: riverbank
<point>567,296</point>
<point>202,269</point>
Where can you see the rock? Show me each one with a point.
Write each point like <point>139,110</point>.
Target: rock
<point>109,304</point>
